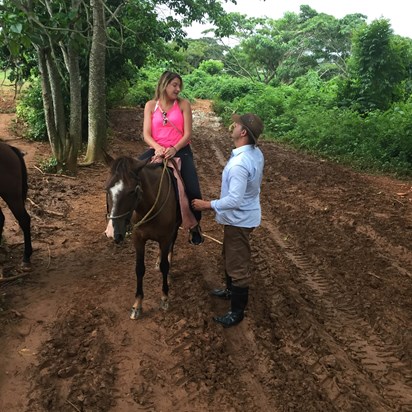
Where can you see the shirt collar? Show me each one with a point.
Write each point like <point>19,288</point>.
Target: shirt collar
<point>241,149</point>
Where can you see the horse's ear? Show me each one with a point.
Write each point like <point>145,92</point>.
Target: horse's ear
<point>140,164</point>
<point>107,158</point>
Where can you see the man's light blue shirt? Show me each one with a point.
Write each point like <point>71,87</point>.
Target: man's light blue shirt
<point>239,203</point>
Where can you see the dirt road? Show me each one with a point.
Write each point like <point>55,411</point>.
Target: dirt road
<point>328,326</point>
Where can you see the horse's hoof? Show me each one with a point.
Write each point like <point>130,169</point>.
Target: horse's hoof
<point>26,266</point>
<point>164,304</point>
<point>135,313</point>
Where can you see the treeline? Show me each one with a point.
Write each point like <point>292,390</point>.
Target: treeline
<point>336,87</point>
<point>340,88</point>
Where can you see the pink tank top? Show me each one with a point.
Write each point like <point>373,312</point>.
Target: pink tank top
<point>167,129</point>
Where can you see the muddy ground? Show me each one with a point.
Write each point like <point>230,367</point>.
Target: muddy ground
<point>328,325</point>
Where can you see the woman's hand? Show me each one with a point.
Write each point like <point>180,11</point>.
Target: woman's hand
<point>170,152</point>
<point>159,152</point>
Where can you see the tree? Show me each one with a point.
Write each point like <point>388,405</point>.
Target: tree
<point>41,34</point>
<point>379,65</point>
<point>71,51</point>
<point>279,51</point>
<point>97,84</point>
<point>196,51</point>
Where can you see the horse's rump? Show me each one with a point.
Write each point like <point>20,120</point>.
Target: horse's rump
<point>13,171</point>
<point>13,189</point>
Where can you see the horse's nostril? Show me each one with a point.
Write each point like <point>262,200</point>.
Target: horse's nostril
<point>118,239</point>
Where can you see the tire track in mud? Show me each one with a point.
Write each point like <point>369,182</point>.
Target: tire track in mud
<point>314,338</point>
<point>251,362</point>
<point>400,256</point>
<point>404,256</point>
<point>370,354</point>
<point>206,365</point>
<point>379,355</point>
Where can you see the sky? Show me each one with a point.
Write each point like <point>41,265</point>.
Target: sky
<point>398,12</point>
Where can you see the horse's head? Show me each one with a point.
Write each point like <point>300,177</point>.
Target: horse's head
<point>124,192</point>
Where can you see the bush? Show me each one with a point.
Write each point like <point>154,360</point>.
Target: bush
<point>202,85</point>
<point>234,87</point>
<point>139,93</point>
<point>381,141</point>
<point>30,110</point>
<point>117,93</point>
<point>211,67</point>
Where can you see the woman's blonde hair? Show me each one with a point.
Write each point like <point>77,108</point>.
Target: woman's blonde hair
<point>164,81</point>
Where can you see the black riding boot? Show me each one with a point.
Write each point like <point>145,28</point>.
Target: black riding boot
<point>224,293</point>
<point>238,304</point>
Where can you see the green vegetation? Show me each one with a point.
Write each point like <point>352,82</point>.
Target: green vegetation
<point>49,165</point>
<point>306,115</point>
<point>339,88</point>
<point>30,110</point>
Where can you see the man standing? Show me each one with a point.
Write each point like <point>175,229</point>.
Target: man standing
<point>238,209</point>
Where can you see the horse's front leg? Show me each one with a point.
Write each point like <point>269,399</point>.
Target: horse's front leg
<point>137,308</point>
<point>169,258</point>
<point>25,224</point>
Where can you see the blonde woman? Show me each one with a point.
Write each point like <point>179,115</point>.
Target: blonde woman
<point>167,129</point>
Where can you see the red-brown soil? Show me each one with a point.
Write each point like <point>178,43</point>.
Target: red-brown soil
<point>328,326</point>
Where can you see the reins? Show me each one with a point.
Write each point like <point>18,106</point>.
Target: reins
<point>145,218</point>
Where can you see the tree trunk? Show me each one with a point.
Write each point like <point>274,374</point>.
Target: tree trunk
<point>47,100</point>
<point>61,143</point>
<point>97,85</point>
<point>71,59</point>
<point>75,125</point>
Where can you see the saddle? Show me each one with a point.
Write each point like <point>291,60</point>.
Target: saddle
<point>188,219</point>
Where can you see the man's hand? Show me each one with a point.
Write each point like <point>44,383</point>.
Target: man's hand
<point>199,204</point>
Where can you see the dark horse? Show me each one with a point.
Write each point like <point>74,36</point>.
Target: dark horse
<point>143,194</point>
<point>13,190</point>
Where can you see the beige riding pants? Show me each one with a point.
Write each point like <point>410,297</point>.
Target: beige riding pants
<point>237,254</point>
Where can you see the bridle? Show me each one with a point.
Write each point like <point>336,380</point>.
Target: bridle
<point>118,216</point>
<point>110,216</point>
<point>146,218</point>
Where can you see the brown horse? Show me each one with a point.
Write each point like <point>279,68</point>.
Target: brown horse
<point>13,190</point>
<point>144,194</point>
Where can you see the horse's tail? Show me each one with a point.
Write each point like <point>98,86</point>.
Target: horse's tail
<point>24,180</point>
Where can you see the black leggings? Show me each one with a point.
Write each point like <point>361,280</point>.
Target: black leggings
<point>188,172</point>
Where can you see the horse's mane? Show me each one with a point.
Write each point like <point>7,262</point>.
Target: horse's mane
<point>122,168</point>
<point>126,168</point>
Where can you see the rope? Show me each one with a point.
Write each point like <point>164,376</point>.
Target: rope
<point>145,218</point>
<point>208,237</point>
